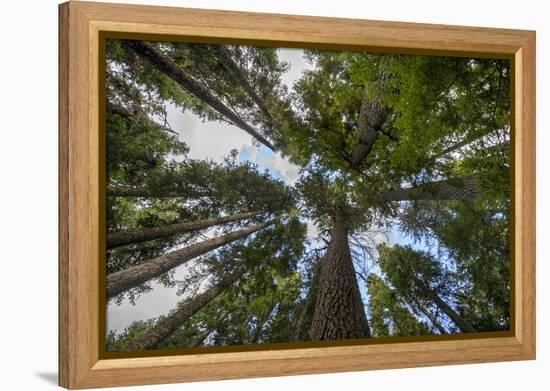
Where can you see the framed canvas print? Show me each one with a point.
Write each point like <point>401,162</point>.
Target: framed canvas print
<point>247,195</point>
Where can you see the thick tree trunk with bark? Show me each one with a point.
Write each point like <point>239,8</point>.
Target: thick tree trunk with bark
<point>224,56</point>
<point>165,65</point>
<point>462,188</point>
<point>372,116</point>
<point>123,280</point>
<point>182,313</point>
<point>118,239</point>
<point>339,311</point>
<point>463,324</point>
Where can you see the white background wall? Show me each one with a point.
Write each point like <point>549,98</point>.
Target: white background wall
<point>28,194</point>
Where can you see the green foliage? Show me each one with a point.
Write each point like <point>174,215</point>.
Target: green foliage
<point>117,340</point>
<point>388,316</point>
<point>330,105</point>
<point>411,271</point>
<point>436,101</point>
<point>477,239</point>
<point>448,118</point>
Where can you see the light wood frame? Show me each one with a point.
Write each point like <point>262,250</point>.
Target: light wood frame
<point>80,24</point>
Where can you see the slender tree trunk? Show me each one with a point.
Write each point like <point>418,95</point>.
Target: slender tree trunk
<point>140,116</point>
<point>431,317</point>
<point>225,58</point>
<point>462,188</point>
<point>123,280</point>
<point>463,324</point>
<point>127,191</point>
<point>182,313</point>
<point>501,146</point>
<point>165,65</point>
<point>372,116</point>
<point>198,339</point>
<point>306,314</point>
<point>260,325</point>
<point>339,312</point>
<point>118,239</point>
<point>454,147</point>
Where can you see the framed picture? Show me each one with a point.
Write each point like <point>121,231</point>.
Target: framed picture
<point>247,195</point>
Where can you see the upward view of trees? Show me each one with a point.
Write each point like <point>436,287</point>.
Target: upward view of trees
<point>404,175</point>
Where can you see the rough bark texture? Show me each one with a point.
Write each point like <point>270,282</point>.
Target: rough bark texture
<point>165,65</point>
<point>372,116</point>
<point>339,312</point>
<point>463,188</point>
<point>123,238</point>
<point>240,77</point>
<point>123,280</point>
<point>463,324</point>
<point>183,312</point>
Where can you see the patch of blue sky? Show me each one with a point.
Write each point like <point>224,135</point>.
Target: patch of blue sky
<point>397,237</point>
<point>262,159</point>
<point>244,155</point>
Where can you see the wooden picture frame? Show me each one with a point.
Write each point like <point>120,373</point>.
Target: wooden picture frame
<point>80,27</point>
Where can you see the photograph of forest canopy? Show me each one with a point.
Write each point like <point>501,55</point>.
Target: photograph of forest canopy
<point>273,195</point>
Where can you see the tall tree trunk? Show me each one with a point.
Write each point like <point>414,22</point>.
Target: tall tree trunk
<point>372,116</point>
<point>139,116</point>
<point>198,339</point>
<point>123,280</point>
<point>304,319</point>
<point>463,324</point>
<point>165,65</point>
<point>225,58</point>
<point>339,311</point>
<point>454,147</point>
<point>182,313</point>
<point>462,188</point>
<point>260,324</point>
<point>128,191</point>
<point>504,146</point>
<point>118,239</point>
<point>431,317</point>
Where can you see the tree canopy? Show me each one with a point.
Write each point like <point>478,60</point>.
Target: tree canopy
<point>397,225</point>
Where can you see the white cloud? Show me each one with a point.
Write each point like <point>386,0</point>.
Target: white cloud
<point>313,230</point>
<point>297,64</point>
<point>288,171</point>
<point>207,140</point>
<point>279,166</point>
